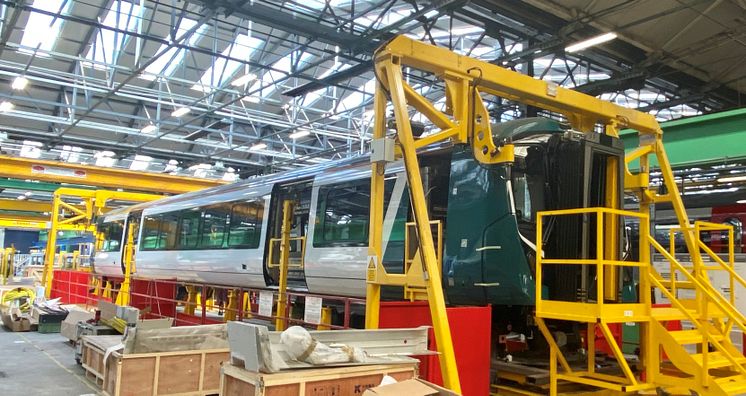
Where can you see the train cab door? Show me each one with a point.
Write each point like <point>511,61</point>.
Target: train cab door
<point>298,191</point>
<point>134,219</point>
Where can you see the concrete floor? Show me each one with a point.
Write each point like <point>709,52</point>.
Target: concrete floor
<point>40,364</point>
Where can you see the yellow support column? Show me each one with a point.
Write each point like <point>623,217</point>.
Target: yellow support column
<point>375,249</point>
<point>123,297</point>
<point>231,310</point>
<point>427,249</point>
<point>282,299</point>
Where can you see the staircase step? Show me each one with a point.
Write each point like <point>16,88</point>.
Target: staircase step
<point>717,360</point>
<point>686,337</point>
<point>668,313</point>
<point>735,385</point>
<point>679,284</point>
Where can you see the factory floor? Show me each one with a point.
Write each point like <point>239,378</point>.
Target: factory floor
<point>33,364</point>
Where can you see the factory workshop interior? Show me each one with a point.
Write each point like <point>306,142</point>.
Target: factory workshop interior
<point>372,197</point>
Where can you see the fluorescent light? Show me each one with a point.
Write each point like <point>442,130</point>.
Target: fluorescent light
<point>150,128</point>
<point>731,179</point>
<point>19,83</point>
<point>251,99</point>
<point>6,106</point>
<point>591,42</point>
<point>741,201</point>
<point>300,133</point>
<point>258,146</point>
<point>243,80</point>
<point>181,111</point>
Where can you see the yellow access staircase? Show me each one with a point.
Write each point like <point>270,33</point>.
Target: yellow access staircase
<point>702,354</point>
<point>700,357</point>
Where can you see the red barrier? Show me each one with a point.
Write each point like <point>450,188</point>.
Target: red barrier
<point>470,331</point>
<point>72,287</point>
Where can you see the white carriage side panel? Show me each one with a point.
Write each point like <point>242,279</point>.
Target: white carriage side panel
<point>341,270</point>
<point>232,267</point>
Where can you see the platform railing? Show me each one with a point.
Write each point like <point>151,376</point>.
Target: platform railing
<point>296,261</point>
<point>599,313</point>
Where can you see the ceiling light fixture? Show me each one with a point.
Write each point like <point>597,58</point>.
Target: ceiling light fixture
<point>243,80</point>
<point>731,179</point>
<point>299,134</point>
<point>741,201</point>
<point>581,45</point>
<point>181,111</point>
<point>150,128</point>
<point>258,146</point>
<point>6,106</point>
<point>19,83</point>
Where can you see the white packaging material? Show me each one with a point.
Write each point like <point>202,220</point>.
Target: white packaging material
<point>302,347</point>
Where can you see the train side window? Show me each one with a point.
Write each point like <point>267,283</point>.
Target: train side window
<point>245,225</point>
<point>189,228</point>
<point>150,232</point>
<point>112,234</point>
<point>345,215</point>
<point>214,224</point>
<point>346,210</point>
<point>167,234</point>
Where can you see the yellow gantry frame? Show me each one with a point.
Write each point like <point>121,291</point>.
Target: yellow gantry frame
<point>94,202</point>
<point>65,172</point>
<point>466,121</point>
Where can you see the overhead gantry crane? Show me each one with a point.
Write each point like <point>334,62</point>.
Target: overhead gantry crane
<point>96,176</point>
<point>466,121</point>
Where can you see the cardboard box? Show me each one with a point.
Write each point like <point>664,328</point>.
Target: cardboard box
<point>69,326</point>
<point>412,387</point>
<point>15,322</point>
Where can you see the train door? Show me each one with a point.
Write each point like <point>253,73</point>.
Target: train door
<point>134,219</point>
<point>298,191</point>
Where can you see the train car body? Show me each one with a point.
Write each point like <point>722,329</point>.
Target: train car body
<point>222,235</point>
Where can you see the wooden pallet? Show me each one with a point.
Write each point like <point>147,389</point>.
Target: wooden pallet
<point>337,381</point>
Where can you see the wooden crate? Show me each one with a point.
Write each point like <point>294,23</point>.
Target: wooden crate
<point>337,381</point>
<point>194,372</point>
<point>93,349</point>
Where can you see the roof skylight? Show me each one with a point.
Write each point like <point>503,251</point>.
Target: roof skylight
<point>167,63</point>
<point>43,29</point>
<point>356,98</point>
<point>311,97</point>
<point>223,69</point>
<point>123,15</point>
<point>279,70</point>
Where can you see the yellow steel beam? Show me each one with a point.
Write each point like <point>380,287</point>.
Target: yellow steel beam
<point>62,172</point>
<point>25,206</point>
<point>582,110</point>
<point>31,222</point>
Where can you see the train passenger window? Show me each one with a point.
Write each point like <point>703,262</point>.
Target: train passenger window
<point>167,234</point>
<point>112,235</point>
<point>150,228</point>
<point>245,225</point>
<point>345,214</point>
<point>189,228</point>
<point>214,222</point>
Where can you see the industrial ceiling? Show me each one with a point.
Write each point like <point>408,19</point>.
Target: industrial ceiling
<point>229,89</point>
